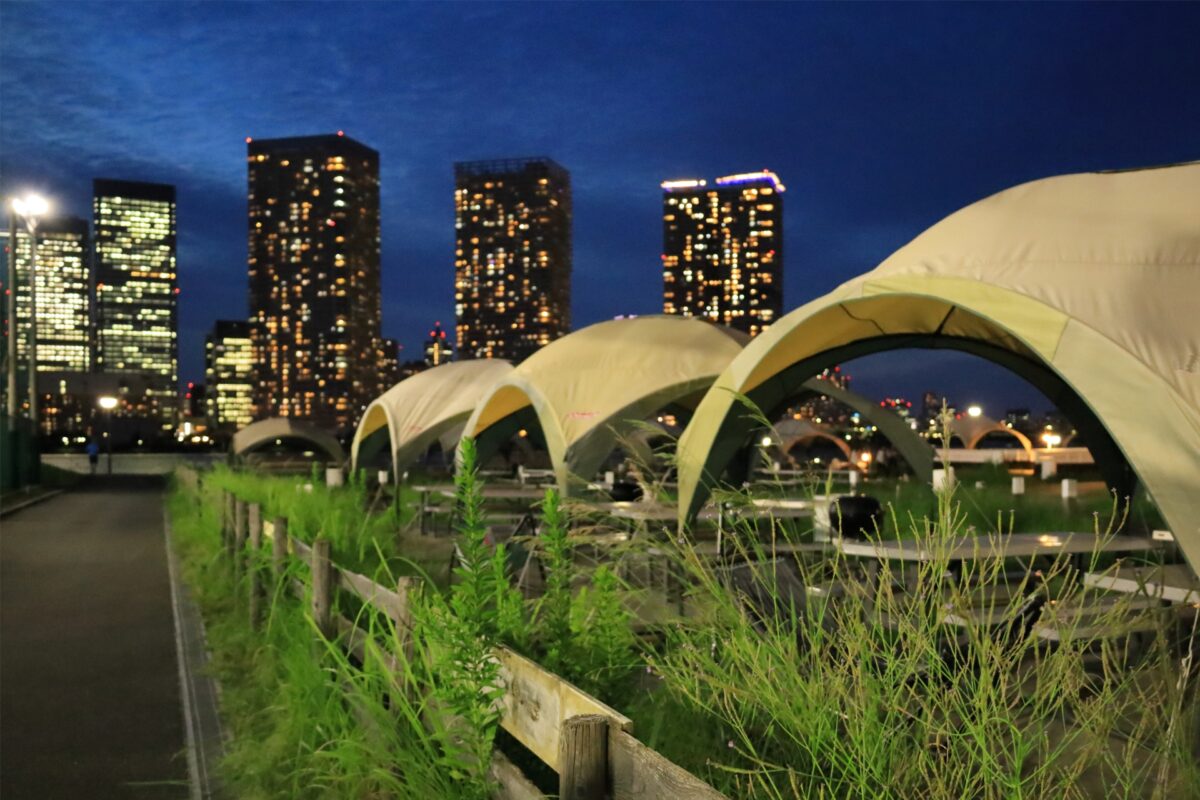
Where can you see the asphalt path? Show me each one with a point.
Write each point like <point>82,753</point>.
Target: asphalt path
<point>89,681</point>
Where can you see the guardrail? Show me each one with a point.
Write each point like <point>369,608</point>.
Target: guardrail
<point>589,744</point>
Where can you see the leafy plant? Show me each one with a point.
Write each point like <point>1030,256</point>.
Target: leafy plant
<point>552,614</point>
<point>460,632</point>
<point>603,644</point>
<point>303,722</point>
<point>866,690</point>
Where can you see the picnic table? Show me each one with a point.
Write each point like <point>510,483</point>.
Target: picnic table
<point>1169,583</point>
<point>1077,618</point>
<point>984,546</point>
<point>490,491</point>
<point>425,509</point>
<point>645,511</point>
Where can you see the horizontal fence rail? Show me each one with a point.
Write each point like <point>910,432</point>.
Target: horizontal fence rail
<point>589,744</point>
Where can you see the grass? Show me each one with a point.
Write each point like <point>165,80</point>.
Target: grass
<point>366,532</point>
<point>304,720</point>
<point>874,696</point>
<point>762,691</point>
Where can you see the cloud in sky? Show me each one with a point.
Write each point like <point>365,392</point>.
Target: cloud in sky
<point>880,118</point>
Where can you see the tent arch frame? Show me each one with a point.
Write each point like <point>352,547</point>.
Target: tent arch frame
<point>1115,467</point>
<point>265,431</point>
<point>433,404</point>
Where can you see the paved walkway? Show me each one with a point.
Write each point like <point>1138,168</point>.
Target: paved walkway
<point>89,682</point>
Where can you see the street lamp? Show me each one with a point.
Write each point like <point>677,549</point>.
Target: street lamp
<point>108,403</point>
<point>30,208</point>
<point>974,411</point>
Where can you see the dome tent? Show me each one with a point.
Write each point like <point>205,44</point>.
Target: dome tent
<point>1086,285</point>
<point>585,388</point>
<point>424,408</point>
<point>266,431</point>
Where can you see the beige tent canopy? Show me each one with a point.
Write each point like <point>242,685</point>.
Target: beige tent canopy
<point>1086,285</point>
<point>428,406</point>
<point>585,388</point>
<point>267,431</point>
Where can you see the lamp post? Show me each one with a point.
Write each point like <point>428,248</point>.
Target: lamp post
<point>11,310</point>
<point>108,403</point>
<point>30,209</point>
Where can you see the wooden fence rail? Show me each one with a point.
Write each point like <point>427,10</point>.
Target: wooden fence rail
<point>589,744</point>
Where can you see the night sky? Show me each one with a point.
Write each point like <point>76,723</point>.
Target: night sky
<point>880,119</point>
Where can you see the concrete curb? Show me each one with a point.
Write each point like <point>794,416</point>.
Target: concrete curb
<point>33,501</point>
<point>199,692</point>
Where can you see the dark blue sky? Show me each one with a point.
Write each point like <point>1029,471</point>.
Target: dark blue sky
<point>879,118</point>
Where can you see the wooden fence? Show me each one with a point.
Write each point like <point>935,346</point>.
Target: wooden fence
<point>588,744</point>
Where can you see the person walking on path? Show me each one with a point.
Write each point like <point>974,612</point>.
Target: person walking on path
<point>93,451</point>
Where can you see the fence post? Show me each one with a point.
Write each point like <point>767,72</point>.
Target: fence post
<point>279,547</point>
<point>404,588</point>
<point>583,758</point>
<point>227,518</point>
<point>239,534</point>
<point>322,589</point>
<point>253,563</point>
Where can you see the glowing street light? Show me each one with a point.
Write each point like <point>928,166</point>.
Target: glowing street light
<point>1051,439</point>
<point>974,411</point>
<point>30,208</point>
<point>108,403</point>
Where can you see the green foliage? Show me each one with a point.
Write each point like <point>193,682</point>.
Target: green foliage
<point>587,639</point>
<point>482,595</point>
<point>460,632</point>
<point>552,614</point>
<point>360,540</point>
<point>464,680</point>
<point>303,721</point>
<point>603,644</point>
<point>765,691</point>
<point>872,694</point>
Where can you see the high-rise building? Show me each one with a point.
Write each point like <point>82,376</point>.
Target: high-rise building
<point>314,277</point>
<point>195,400</point>
<point>64,320</point>
<point>228,387</point>
<point>723,249</point>
<point>137,292</point>
<point>512,256</point>
<point>437,349</point>
<point>64,307</point>
<point>388,371</point>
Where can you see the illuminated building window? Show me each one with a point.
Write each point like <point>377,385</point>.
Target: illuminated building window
<point>513,256</point>
<point>137,308</point>
<point>725,265</point>
<point>314,281</point>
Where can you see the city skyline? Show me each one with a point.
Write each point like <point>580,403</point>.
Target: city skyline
<point>622,111</point>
